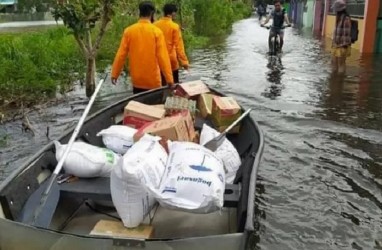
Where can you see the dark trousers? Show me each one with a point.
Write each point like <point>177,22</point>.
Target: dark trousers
<point>138,90</point>
<point>175,75</point>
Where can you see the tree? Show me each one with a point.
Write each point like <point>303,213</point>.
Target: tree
<point>81,17</point>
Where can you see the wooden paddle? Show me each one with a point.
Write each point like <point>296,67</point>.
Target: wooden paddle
<point>44,212</point>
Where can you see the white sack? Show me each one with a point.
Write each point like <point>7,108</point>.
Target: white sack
<point>118,138</point>
<point>140,169</point>
<point>226,152</point>
<point>193,180</point>
<point>87,161</point>
<point>133,203</point>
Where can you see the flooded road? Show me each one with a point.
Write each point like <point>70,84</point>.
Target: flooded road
<point>320,181</point>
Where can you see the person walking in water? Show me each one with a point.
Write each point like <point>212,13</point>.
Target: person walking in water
<point>341,46</point>
<point>174,40</point>
<point>144,45</point>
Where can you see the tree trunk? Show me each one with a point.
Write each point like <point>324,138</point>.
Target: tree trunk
<point>90,76</point>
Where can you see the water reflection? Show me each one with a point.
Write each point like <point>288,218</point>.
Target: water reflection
<point>356,97</point>
<point>274,77</point>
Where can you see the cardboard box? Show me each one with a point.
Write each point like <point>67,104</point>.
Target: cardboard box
<point>196,138</point>
<point>161,106</point>
<point>205,105</point>
<point>137,114</point>
<point>225,110</point>
<point>176,128</point>
<point>116,229</point>
<point>192,90</point>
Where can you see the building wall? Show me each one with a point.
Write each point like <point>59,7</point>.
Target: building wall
<point>330,25</point>
<point>318,10</point>
<point>378,43</point>
<point>308,15</point>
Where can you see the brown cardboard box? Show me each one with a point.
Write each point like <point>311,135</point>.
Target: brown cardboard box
<point>137,114</point>
<point>205,105</point>
<point>192,89</point>
<point>176,128</point>
<point>116,229</point>
<point>225,110</point>
<point>196,138</point>
<point>161,106</point>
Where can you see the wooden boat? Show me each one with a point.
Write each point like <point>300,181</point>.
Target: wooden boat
<point>81,204</point>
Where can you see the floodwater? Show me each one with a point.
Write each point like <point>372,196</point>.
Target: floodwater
<point>320,181</point>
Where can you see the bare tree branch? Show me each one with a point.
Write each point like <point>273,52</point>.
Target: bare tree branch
<point>105,19</point>
<point>81,44</point>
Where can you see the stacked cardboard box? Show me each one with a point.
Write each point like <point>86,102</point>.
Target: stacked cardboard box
<point>137,114</point>
<point>205,105</point>
<point>179,127</point>
<point>225,110</point>
<point>192,90</point>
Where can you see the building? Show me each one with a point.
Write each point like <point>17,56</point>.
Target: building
<point>365,12</point>
<point>308,14</point>
<point>7,5</point>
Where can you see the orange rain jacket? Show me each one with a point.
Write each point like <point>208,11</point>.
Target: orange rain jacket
<point>144,45</point>
<point>174,42</point>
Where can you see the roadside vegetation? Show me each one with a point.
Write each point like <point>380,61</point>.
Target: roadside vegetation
<point>37,64</point>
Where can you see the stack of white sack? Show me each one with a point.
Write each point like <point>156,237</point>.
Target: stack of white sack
<point>87,161</point>
<point>118,138</point>
<point>193,180</point>
<point>140,169</point>
<point>226,152</point>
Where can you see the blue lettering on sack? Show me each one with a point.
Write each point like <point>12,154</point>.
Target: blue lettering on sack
<point>169,190</point>
<point>200,168</point>
<point>194,179</point>
<point>220,177</point>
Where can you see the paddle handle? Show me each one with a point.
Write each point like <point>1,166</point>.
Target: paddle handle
<point>60,164</point>
<point>77,129</point>
<point>236,122</point>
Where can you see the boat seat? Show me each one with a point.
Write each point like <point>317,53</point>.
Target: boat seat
<point>99,189</point>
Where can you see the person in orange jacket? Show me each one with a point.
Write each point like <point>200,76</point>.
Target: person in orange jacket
<point>174,40</point>
<point>144,45</point>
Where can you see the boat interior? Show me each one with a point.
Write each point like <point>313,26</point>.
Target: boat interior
<point>80,204</point>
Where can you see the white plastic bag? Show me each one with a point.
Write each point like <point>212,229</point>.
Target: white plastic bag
<point>226,152</point>
<point>193,180</point>
<point>118,138</point>
<point>87,161</point>
<point>140,170</point>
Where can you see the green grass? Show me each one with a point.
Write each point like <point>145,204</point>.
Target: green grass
<point>35,64</point>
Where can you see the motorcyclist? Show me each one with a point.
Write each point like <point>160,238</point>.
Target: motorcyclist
<point>279,16</point>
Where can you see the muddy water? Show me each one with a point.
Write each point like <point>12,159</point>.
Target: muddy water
<point>320,182</point>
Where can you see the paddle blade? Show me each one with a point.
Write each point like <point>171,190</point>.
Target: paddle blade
<point>39,209</point>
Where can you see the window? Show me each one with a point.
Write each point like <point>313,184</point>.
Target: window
<point>354,7</point>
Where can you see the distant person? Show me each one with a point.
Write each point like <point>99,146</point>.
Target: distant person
<point>261,10</point>
<point>174,40</point>
<point>279,17</point>
<point>341,45</point>
<point>144,45</point>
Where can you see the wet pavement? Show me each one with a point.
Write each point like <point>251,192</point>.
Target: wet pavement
<point>320,181</point>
